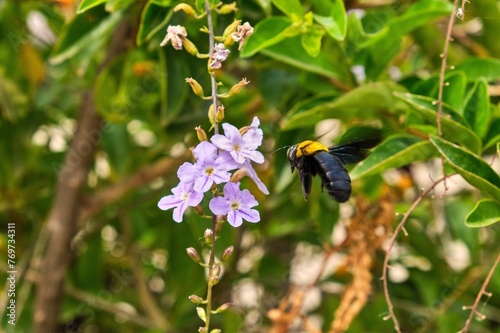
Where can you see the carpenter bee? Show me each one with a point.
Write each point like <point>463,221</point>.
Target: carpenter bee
<point>312,158</point>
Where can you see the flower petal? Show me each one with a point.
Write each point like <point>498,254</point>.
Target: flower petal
<point>234,218</point>
<point>194,198</point>
<point>188,172</point>
<point>179,212</point>
<point>232,133</point>
<point>168,202</point>
<point>203,184</point>
<point>225,161</point>
<point>253,155</point>
<point>250,171</point>
<point>205,151</point>
<point>219,206</point>
<point>250,215</point>
<point>220,141</point>
<point>247,199</point>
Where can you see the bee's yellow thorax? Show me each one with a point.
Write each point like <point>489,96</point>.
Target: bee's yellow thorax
<point>309,147</point>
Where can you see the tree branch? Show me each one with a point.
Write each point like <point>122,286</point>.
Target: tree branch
<point>61,222</point>
<point>482,292</point>
<point>113,193</point>
<point>386,266</point>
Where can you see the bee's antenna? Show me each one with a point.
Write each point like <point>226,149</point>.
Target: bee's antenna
<point>277,150</point>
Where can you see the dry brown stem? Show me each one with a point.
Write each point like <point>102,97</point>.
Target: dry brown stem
<point>473,308</point>
<point>366,233</point>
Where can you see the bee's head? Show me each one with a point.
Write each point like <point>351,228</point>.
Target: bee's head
<point>292,156</point>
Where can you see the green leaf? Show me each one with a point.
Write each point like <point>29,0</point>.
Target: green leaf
<point>493,136</point>
<point>311,40</point>
<point>200,5</point>
<point>395,152</point>
<point>486,212</point>
<point>87,4</point>
<point>336,23</point>
<point>114,5</point>
<point>291,8</point>
<point>111,97</point>
<point>173,94</point>
<point>476,68</point>
<point>471,167</point>
<point>385,44</point>
<point>153,18</point>
<point>13,101</point>
<point>267,32</point>
<point>327,63</point>
<point>367,100</point>
<point>162,3</point>
<point>453,124</point>
<point>454,89</point>
<point>477,107</point>
<point>87,33</point>
<point>418,13</point>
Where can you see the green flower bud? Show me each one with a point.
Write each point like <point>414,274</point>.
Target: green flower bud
<point>227,253</point>
<point>185,8</point>
<point>211,114</point>
<point>190,47</point>
<point>228,8</point>
<point>201,134</point>
<point>209,236</point>
<point>214,279</point>
<point>236,89</point>
<point>196,299</point>
<point>191,251</point>
<point>197,88</point>
<point>223,307</point>
<point>219,115</point>
<point>231,28</point>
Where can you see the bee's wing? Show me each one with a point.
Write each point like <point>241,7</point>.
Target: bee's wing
<point>353,152</point>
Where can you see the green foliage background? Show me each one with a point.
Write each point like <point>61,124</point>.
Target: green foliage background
<point>301,64</point>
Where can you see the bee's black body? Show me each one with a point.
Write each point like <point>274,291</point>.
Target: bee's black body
<point>311,158</point>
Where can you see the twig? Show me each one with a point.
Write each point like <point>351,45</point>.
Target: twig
<point>390,246</point>
<point>107,306</point>
<point>444,57</point>
<point>145,298</point>
<point>482,292</point>
<point>447,302</point>
<point>113,193</point>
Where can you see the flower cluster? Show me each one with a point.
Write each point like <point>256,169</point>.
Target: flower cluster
<point>235,150</point>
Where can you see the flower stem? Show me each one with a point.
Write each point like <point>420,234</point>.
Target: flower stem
<point>213,80</point>
<point>211,265</point>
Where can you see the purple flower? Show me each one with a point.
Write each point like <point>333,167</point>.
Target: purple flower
<point>250,172</point>
<point>241,147</point>
<point>210,167</point>
<point>183,197</point>
<point>236,204</point>
<point>177,34</point>
<point>220,54</point>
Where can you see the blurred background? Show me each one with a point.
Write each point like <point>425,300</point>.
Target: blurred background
<point>95,119</point>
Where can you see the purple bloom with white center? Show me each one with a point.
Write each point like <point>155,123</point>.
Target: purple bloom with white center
<point>183,197</point>
<point>236,204</point>
<point>241,147</point>
<point>210,167</point>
